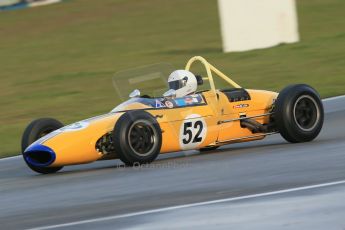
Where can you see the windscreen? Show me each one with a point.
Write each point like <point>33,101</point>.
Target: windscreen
<point>150,80</point>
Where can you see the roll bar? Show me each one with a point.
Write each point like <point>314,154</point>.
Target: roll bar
<point>209,69</point>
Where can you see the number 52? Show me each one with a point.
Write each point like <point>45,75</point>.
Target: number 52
<point>188,129</point>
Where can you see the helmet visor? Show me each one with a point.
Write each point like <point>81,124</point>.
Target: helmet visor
<point>175,85</point>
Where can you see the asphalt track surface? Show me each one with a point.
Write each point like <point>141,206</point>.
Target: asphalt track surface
<point>268,184</point>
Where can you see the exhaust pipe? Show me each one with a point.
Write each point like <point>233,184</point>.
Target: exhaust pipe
<point>254,126</point>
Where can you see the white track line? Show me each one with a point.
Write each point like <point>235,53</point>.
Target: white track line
<point>9,158</point>
<point>159,210</point>
<point>334,98</point>
<point>326,99</point>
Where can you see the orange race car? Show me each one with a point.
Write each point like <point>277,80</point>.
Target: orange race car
<point>183,118</point>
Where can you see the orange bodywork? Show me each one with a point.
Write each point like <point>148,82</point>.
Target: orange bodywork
<point>79,146</point>
<point>76,144</point>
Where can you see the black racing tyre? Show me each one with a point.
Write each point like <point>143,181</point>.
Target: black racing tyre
<point>137,138</point>
<point>35,130</point>
<point>206,149</point>
<point>298,113</point>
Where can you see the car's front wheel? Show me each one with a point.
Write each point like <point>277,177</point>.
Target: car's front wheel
<point>137,138</point>
<point>34,131</point>
<point>298,113</point>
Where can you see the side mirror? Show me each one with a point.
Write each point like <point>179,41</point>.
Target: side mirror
<point>135,93</point>
<point>171,93</point>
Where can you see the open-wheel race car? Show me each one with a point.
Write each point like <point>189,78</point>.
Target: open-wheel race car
<point>183,118</point>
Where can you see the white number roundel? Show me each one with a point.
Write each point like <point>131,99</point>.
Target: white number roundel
<point>193,131</point>
<point>75,126</point>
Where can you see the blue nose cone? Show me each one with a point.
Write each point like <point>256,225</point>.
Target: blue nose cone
<point>39,155</point>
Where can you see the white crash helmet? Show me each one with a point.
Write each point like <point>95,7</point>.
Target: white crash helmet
<point>183,82</point>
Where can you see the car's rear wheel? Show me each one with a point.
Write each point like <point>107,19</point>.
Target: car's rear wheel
<point>34,131</point>
<point>299,113</point>
<point>137,138</point>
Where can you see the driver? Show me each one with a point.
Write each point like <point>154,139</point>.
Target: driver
<point>183,82</point>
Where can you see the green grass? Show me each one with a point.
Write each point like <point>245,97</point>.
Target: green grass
<point>58,61</point>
